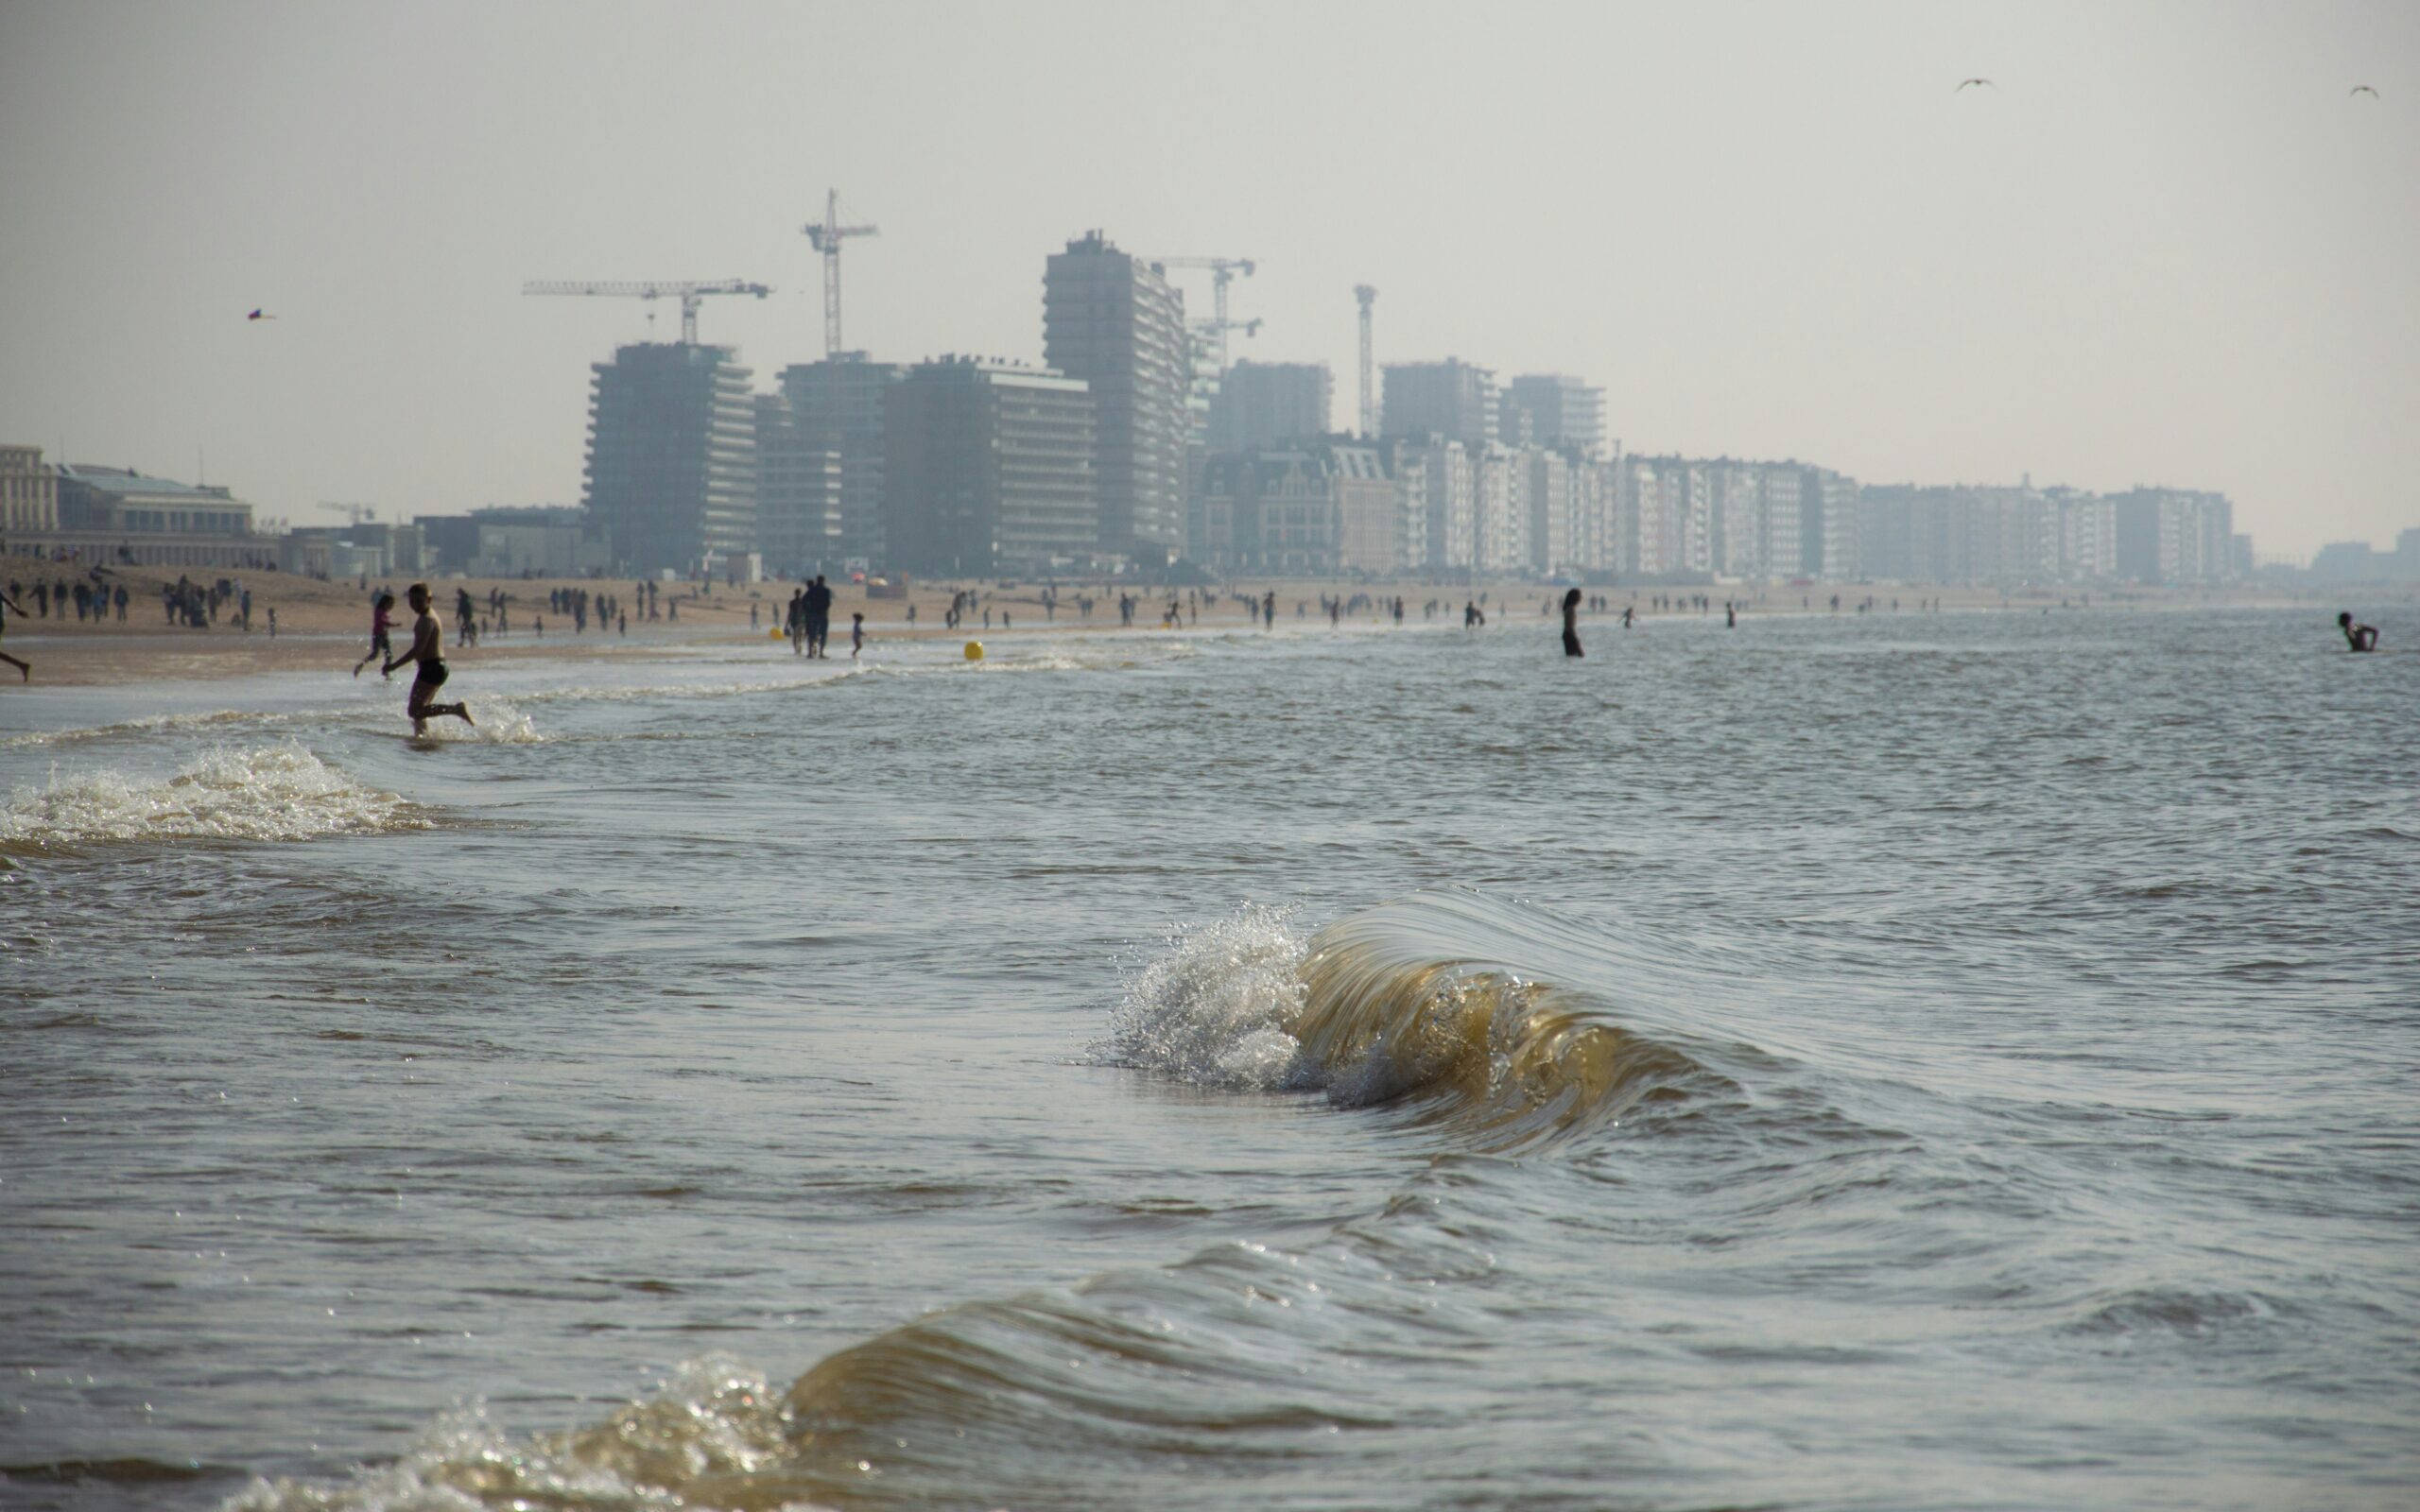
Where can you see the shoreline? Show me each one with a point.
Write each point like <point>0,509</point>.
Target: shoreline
<point>323,626</point>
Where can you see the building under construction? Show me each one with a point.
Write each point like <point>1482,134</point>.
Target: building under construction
<point>1451,399</point>
<point>1270,404</point>
<point>671,477</point>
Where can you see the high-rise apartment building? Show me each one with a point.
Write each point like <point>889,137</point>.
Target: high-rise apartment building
<point>798,493</point>
<point>2174,536</point>
<point>672,456</point>
<point>1827,519</point>
<point>1265,405</point>
<point>837,407</point>
<point>1448,493</point>
<point>1451,399</point>
<point>1563,411</point>
<point>1111,323</point>
<point>990,470</point>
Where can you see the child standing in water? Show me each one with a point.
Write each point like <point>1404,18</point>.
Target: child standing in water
<point>857,635</point>
<point>382,625</point>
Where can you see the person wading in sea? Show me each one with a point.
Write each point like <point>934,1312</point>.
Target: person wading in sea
<point>428,651</point>
<point>382,620</point>
<point>1572,624</point>
<point>2357,636</point>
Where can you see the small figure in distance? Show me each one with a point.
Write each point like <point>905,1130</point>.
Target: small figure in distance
<point>1572,624</point>
<point>382,621</point>
<point>428,651</point>
<point>24,669</point>
<point>2358,637</point>
<point>857,635</point>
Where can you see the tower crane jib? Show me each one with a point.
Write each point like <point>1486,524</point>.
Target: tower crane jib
<point>690,294</point>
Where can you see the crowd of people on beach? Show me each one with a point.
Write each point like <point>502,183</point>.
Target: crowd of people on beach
<point>97,595</point>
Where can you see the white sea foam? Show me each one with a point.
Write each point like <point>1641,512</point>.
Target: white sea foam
<point>1212,1008</point>
<point>499,724</point>
<point>159,723</point>
<point>280,792</point>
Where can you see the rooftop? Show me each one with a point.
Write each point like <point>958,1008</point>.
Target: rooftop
<point>125,480</point>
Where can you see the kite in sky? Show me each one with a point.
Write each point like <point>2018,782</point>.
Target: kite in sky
<point>2364,89</point>
<point>260,315</point>
<point>1964,82</point>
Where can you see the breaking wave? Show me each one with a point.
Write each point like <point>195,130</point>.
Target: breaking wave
<point>1379,1009</point>
<point>281,792</point>
<point>1265,1365</point>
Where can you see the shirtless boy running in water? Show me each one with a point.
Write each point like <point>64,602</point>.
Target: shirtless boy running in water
<point>428,650</point>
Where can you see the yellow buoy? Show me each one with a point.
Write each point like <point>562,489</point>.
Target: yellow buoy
<point>975,650</point>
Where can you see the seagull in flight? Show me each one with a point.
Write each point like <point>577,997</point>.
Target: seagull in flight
<point>1967,82</point>
<point>2364,89</point>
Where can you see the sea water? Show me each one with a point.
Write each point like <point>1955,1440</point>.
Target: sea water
<point>1863,1061</point>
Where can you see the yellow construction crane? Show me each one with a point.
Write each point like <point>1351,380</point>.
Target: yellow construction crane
<point>689,294</point>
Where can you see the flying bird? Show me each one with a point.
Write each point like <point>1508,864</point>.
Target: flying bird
<point>2364,89</point>
<point>260,315</point>
<point>1964,82</point>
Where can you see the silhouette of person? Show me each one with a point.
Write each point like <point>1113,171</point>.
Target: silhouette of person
<point>2358,637</point>
<point>1572,624</point>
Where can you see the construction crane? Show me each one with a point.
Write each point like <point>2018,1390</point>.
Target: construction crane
<point>1366,297</point>
<point>1217,328</point>
<point>689,294</point>
<point>1222,272</point>
<point>826,235</point>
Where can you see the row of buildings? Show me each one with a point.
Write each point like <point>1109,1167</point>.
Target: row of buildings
<point>1126,448</point>
<point>1134,445</point>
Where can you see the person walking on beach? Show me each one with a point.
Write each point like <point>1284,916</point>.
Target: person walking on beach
<point>429,652</point>
<point>819,615</point>
<point>382,623</point>
<point>857,635</point>
<point>24,669</point>
<point>1572,624</point>
<point>796,624</point>
<point>2357,636</point>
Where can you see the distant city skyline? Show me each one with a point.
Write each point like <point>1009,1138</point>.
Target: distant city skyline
<point>2167,248</point>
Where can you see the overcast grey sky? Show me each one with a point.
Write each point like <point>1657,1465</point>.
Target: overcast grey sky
<point>2169,246</point>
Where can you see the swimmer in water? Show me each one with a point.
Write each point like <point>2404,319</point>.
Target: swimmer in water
<point>1572,624</point>
<point>2358,637</point>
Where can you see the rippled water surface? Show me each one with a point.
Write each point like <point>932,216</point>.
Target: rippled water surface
<point>1924,1061</point>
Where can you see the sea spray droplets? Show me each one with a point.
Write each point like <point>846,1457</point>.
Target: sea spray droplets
<point>280,792</point>
<point>713,1423</point>
<point>1213,1009</point>
<point>499,723</point>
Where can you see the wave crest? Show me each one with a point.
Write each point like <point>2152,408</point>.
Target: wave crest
<point>1381,1008</point>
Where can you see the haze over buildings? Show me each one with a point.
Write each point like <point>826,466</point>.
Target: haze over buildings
<point>2131,261</point>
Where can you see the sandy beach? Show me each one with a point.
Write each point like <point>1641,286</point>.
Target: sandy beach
<point>327,624</point>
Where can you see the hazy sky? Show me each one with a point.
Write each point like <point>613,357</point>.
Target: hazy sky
<point>2168,247</point>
